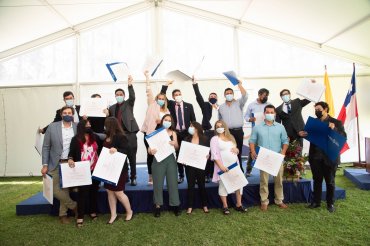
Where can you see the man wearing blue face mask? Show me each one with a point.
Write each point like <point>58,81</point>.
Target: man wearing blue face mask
<point>68,98</point>
<point>272,136</point>
<point>231,112</point>
<point>123,110</point>
<point>289,113</point>
<point>210,116</point>
<point>55,150</point>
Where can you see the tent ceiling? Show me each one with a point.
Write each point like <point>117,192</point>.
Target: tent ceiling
<point>337,24</point>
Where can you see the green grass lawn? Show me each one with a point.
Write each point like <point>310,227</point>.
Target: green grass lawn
<point>349,225</point>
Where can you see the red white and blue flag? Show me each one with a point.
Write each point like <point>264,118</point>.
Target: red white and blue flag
<point>348,115</point>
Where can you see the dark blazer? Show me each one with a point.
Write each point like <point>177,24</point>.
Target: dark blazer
<point>57,117</point>
<point>202,141</point>
<point>206,108</point>
<point>292,122</point>
<point>189,115</point>
<point>128,120</point>
<point>317,154</point>
<point>75,148</point>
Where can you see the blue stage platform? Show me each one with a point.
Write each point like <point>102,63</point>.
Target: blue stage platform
<point>141,196</point>
<point>359,176</point>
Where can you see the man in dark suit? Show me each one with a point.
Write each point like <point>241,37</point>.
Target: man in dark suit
<point>123,110</point>
<point>210,116</point>
<point>182,114</point>
<point>55,150</point>
<point>289,113</point>
<point>68,98</point>
<point>321,166</point>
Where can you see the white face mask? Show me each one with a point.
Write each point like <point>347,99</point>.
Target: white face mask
<point>69,102</point>
<point>178,99</point>
<point>286,98</point>
<point>270,117</point>
<point>220,130</point>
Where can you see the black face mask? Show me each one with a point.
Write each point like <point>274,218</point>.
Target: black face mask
<point>212,100</point>
<point>264,100</point>
<point>88,130</point>
<point>318,114</point>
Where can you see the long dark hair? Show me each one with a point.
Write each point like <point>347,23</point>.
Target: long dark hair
<point>172,127</point>
<point>199,129</point>
<point>81,131</point>
<point>112,127</point>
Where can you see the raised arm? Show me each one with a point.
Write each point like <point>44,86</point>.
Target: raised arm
<point>131,92</point>
<point>149,92</point>
<point>244,97</point>
<point>198,96</point>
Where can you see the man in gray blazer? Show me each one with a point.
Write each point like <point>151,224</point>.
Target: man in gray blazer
<point>289,113</point>
<point>123,110</point>
<point>55,150</point>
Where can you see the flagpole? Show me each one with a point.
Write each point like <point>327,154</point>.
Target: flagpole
<point>359,163</point>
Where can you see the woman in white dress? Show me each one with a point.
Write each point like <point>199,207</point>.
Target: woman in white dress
<point>224,153</point>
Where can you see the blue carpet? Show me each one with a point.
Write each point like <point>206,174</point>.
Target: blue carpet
<point>358,176</point>
<point>141,196</point>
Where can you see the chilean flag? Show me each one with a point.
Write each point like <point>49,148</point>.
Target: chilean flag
<point>348,115</point>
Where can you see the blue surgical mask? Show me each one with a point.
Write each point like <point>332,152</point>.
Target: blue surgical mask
<point>229,97</point>
<point>191,130</point>
<point>167,124</point>
<point>69,102</point>
<point>160,102</point>
<point>270,117</point>
<point>67,118</point>
<point>286,98</point>
<point>213,100</point>
<point>120,99</point>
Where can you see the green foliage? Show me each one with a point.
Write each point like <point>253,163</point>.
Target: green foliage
<point>349,225</point>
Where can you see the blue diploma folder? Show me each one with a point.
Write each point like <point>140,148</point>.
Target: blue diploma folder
<point>231,75</point>
<point>326,139</point>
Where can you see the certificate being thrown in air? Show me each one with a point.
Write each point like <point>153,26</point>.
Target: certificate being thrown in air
<point>269,161</point>
<point>233,179</point>
<point>194,155</point>
<point>311,90</point>
<point>78,175</point>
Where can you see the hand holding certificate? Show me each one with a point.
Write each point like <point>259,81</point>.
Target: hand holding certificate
<point>311,90</point>
<point>78,175</point>
<point>47,188</point>
<point>109,166</point>
<point>269,161</point>
<point>160,141</point>
<point>233,179</point>
<point>193,155</point>
<point>93,107</point>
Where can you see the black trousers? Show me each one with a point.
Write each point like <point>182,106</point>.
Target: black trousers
<point>131,156</point>
<point>238,135</point>
<point>87,193</point>
<point>149,157</point>
<point>196,175</point>
<point>181,135</point>
<point>321,170</point>
<point>210,164</point>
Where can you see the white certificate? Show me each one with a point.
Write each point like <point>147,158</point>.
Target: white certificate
<point>78,175</point>
<point>194,155</point>
<point>311,90</point>
<point>47,188</point>
<point>260,117</point>
<point>160,141</point>
<point>178,75</point>
<point>109,166</point>
<point>233,179</point>
<point>93,107</point>
<point>269,161</point>
<point>39,140</point>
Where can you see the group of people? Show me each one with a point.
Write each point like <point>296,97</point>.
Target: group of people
<point>72,138</point>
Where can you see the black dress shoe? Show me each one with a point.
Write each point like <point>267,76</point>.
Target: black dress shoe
<point>133,182</point>
<point>157,212</point>
<point>331,208</point>
<point>314,205</point>
<point>208,179</point>
<point>181,180</point>
<point>177,211</point>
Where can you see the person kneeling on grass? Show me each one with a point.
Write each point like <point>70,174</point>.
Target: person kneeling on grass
<point>224,152</point>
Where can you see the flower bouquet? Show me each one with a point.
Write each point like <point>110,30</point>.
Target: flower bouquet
<point>294,161</point>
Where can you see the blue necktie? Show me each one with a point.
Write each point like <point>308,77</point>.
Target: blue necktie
<point>179,115</point>
<point>289,108</point>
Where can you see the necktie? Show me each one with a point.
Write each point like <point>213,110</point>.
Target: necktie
<point>179,115</point>
<point>289,108</point>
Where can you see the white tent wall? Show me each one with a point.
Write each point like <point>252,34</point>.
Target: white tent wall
<point>27,108</point>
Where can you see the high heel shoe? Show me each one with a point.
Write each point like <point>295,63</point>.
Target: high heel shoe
<point>189,211</point>
<point>115,219</point>
<point>132,216</point>
<point>205,210</point>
